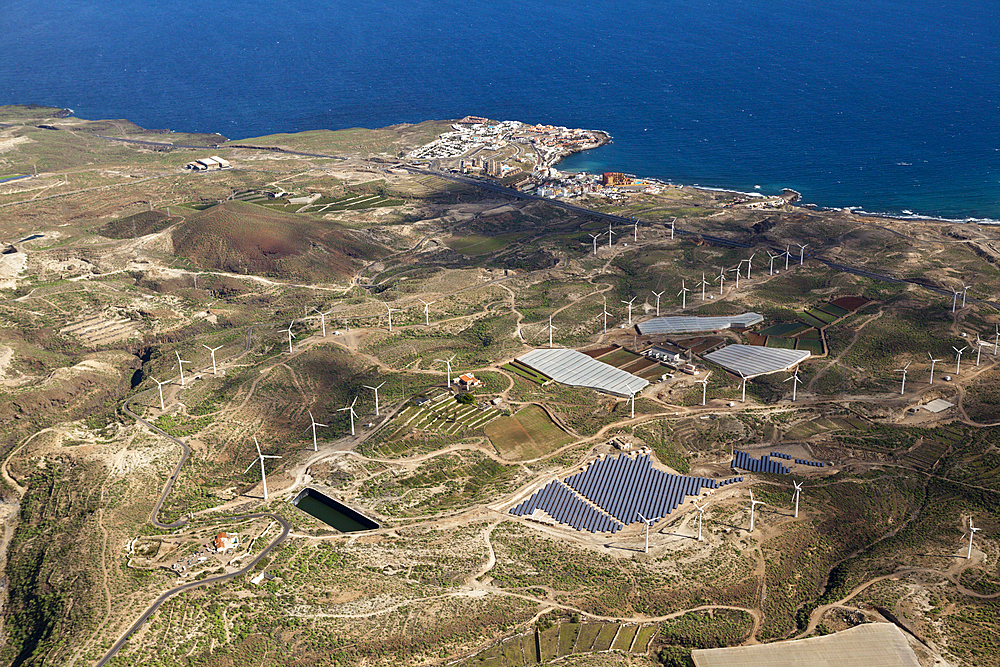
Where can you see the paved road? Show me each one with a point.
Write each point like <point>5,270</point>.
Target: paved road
<point>204,582</point>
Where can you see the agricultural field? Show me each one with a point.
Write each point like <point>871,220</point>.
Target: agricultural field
<point>127,269</point>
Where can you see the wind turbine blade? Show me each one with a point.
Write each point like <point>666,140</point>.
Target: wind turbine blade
<point>252,464</point>
<point>257,444</point>
<point>269,456</point>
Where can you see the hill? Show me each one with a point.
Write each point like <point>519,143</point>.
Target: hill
<point>246,238</point>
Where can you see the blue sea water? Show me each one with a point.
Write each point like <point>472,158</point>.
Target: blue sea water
<point>889,105</point>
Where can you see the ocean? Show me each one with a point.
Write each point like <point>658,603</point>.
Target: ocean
<point>887,105</point>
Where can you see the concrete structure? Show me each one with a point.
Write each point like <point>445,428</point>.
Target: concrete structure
<point>226,541</point>
<point>685,324</point>
<point>870,644</point>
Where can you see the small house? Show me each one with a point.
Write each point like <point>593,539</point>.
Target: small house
<point>468,381</point>
<point>226,542</point>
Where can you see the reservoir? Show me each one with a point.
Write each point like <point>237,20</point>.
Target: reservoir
<point>333,513</point>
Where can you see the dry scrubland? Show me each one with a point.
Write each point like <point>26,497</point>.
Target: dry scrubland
<point>121,261</point>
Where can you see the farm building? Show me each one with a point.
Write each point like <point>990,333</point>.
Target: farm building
<point>468,381</point>
<point>870,644</point>
<point>226,541</point>
<point>751,360</point>
<point>578,370</point>
<point>688,324</point>
<point>208,164</point>
<point>662,353</point>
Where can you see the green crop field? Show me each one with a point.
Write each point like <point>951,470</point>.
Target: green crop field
<point>526,435</point>
<point>620,358</point>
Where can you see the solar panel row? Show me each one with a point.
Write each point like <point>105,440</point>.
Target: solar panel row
<point>733,480</point>
<point>566,507</point>
<point>779,455</point>
<point>744,461</point>
<point>807,462</point>
<point>626,487</point>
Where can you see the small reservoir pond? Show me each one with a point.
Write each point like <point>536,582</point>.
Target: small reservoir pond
<point>333,513</point>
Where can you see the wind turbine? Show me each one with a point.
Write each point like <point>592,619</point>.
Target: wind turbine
<point>753,504</point>
<point>610,233</point>
<point>704,388</point>
<point>606,313</point>
<point>972,531</point>
<point>261,456</point>
<point>802,251</point>
<point>213,350</point>
<point>787,255</point>
<point>658,295</point>
<point>322,320</point>
<point>631,393</point>
<point>773,257</point>
<point>683,294</point>
<point>933,361</point>
<point>737,270</point>
<point>903,371</point>
<point>375,389</point>
<point>749,262</point>
<point>448,362</point>
<point>703,284</point>
<point>744,399</point>
<point>672,228</point>
<point>635,230</point>
<point>721,279</point>
<point>965,291</point>
<point>350,409</point>
<point>958,362</point>
<point>701,513</point>
<point>595,237</point>
<point>996,342</point>
<point>629,309</point>
<point>391,310</point>
<point>427,315</point>
<point>159,385</point>
<point>798,488</point>
<point>289,330</point>
<point>979,349</point>
<point>180,363</point>
<point>313,425</point>
<point>647,522</point>
<point>954,300</point>
<point>551,329</point>
<point>795,383</point>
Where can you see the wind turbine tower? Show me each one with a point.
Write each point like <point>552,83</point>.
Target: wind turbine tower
<point>159,385</point>
<point>721,279</point>
<point>979,349</point>
<point>787,255</point>
<point>375,389</point>
<point>672,228</point>
<point>795,383</point>
<point>903,371</point>
<point>958,358</point>
<point>753,504</point>
<point>749,262</point>
<point>629,303</point>
<point>704,388</point>
<point>213,350</point>
<point>744,399</point>
<point>595,237</point>
<point>448,363</point>
<point>313,425</point>
<point>647,522</point>
<point>606,313</point>
<point>954,300</point>
<point>350,410</point>
<point>965,292</point>
<point>658,295</point>
<point>427,315</point>
<point>261,456</point>
<point>610,233</point>
<point>933,361</point>
<point>683,294</point>
<point>798,488</point>
<point>635,230</point>
<point>972,531</point>
<point>390,312</point>
<point>180,365</point>
<point>802,251</point>
<point>701,513</point>
<point>322,320</point>
<point>771,268</point>
<point>737,270</point>
<point>289,330</point>
<point>551,329</point>
<point>704,283</point>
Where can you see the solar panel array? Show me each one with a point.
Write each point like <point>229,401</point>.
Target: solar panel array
<point>779,455</point>
<point>566,507</point>
<point>577,369</point>
<point>807,462</point>
<point>754,360</point>
<point>689,324</point>
<point>744,461</point>
<point>619,488</point>
<point>624,487</point>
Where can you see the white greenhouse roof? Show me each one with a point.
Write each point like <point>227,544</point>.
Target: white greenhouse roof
<point>754,360</point>
<point>938,405</point>
<point>690,324</point>
<point>578,370</point>
<point>869,644</point>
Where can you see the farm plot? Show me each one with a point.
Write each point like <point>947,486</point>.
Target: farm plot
<point>822,315</point>
<point>619,358</point>
<point>99,331</point>
<point>564,639</point>
<point>444,414</point>
<point>783,329</point>
<point>526,435</point>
